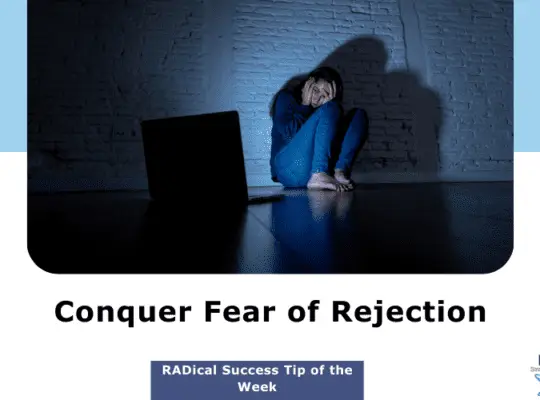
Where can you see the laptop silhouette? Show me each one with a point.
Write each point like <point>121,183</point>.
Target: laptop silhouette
<point>197,158</point>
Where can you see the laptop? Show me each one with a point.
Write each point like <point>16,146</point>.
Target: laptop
<point>198,157</point>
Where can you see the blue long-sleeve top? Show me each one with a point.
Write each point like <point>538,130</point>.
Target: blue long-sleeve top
<point>288,117</point>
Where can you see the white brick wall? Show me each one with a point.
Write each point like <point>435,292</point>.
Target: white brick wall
<point>108,65</point>
<point>470,59</point>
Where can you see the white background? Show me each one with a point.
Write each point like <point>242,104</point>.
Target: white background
<point>45,359</point>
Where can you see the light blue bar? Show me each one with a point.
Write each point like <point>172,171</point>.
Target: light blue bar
<point>526,75</point>
<point>13,76</point>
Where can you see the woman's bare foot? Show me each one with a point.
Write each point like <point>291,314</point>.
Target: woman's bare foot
<point>323,181</point>
<point>342,178</point>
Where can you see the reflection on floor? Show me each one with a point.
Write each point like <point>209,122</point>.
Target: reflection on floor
<point>422,228</point>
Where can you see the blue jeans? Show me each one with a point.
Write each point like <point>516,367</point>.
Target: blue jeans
<point>325,142</point>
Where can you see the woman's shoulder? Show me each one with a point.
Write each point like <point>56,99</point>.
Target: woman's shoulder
<point>286,94</point>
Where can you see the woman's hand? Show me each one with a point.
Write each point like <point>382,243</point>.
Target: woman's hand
<point>307,92</point>
<point>330,93</point>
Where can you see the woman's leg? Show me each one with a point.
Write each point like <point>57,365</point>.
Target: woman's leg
<point>356,129</point>
<point>309,153</point>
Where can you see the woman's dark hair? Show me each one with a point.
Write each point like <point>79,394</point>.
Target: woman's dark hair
<point>327,74</point>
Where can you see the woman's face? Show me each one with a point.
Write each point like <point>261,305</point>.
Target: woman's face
<point>320,89</point>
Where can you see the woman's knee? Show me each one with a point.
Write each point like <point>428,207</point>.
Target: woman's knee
<point>358,119</point>
<point>330,109</point>
<point>359,114</point>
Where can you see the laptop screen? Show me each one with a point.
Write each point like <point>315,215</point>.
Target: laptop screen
<point>195,155</point>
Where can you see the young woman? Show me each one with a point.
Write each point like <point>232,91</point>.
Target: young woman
<point>313,145</point>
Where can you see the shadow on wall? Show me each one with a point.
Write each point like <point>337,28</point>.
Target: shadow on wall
<point>403,229</point>
<point>405,117</point>
<point>95,71</point>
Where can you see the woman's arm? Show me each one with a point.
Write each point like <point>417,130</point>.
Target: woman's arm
<point>289,116</point>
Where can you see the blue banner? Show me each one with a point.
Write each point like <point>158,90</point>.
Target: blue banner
<point>285,380</point>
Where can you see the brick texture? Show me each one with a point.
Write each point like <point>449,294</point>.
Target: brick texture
<point>97,68</point>
<point>470,60</point>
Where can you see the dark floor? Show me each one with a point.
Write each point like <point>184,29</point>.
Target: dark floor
<point>423,228</point>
